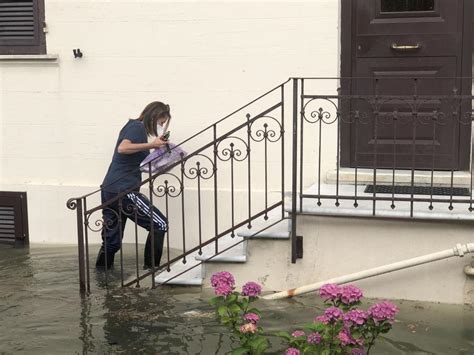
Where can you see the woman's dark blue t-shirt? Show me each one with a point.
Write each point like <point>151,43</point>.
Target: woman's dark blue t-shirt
<point>124,172</point>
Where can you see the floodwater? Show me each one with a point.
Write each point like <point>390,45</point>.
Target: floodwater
<point>41,312</point>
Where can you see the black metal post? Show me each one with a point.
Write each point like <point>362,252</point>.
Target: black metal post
<point>80,244</point>
<point>294,171</point>
<point>216,211</point>
<point>152,226</point>
<point>86,248</point>
<point>283,151</point>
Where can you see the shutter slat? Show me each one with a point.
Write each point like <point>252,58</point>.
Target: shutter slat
<point>7,222</point>
<point>16,3</point>
<point>15,28</point>
<point>17,20</point>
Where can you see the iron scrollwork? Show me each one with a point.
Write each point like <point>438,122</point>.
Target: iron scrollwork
<point>233,152</point>
<point>321,114</point>
<point>203,167</point>
<point>266,133</point>
<point>166,188</point>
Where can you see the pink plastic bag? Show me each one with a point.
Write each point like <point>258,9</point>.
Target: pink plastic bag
<point>162,158</point>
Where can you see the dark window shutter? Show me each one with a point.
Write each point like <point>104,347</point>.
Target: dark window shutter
<point>21,27</point>
<point>13,217</point>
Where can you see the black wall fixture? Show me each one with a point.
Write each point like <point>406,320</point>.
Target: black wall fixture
<point>77,53</point>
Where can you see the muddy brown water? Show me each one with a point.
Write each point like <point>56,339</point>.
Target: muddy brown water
<point>41,312</point>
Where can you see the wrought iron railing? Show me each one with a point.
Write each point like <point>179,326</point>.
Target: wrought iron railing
<point>390,133</point>
<point>234,174</point>
<point>416,151</point>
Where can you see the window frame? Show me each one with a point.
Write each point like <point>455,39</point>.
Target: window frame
<point>35,46</point>
<point>394,14</point>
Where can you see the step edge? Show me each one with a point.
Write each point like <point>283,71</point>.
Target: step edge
<point>223,259</point>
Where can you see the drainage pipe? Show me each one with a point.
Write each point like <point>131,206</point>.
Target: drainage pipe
<point>459,250</point>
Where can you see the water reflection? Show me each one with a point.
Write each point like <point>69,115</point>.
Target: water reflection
<point>42,312</point>
<point>85,326</point>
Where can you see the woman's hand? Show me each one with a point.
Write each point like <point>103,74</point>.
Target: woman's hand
<point>158,142</point>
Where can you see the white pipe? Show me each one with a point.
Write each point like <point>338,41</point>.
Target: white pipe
<point>458,250</point>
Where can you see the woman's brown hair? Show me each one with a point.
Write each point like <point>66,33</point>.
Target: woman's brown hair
<point>150,115</point>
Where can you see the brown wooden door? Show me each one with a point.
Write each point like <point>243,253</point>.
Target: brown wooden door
<point>411,54</point>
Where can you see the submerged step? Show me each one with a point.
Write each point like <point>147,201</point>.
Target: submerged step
<point>182,274</point>
<point>180,282</point>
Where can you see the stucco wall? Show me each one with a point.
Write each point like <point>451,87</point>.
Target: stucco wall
<point>59,120</point>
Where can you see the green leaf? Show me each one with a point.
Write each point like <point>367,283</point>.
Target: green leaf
<point>215,300</point>
<point>325,352</point>
<point>240,351</point>
<point>254,343</point>
<point>234,308</point>
<point>356,334</point>
<point>232,298</point>
<point>222,310</point>
<point>284,335</point>
<point>258,345</point>
<point>261,349</point>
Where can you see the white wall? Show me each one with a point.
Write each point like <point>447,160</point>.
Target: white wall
<point>59,121</point>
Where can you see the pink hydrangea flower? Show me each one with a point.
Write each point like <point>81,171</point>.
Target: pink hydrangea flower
<point>333,313</point>
<point>251,289</point>
<point>351,294</point>
<point>355,317</point>
<point>330,292</point>
<point>223,289</point>
<point>248,328</point>
<point>292,351</point>
<point>298,333</point>
<point>357,352</point>
<point>383,311</point>
<point>314,338</point>
<point>222,277</point>
<point>252,317</point>
<point>344,337</point>
<point>321,319</point>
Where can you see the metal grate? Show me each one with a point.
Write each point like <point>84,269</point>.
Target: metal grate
<point>417,190</point>
<point>7,222</point>
<point>17,20</point>
<point>13,217</point>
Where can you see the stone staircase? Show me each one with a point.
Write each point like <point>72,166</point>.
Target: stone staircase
<point>193,272</point>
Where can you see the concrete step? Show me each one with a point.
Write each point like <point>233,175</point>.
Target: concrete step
<point>223,258</point>
<point>236,254</point>
<point>385,177</point>
<point>402,210</point>
<point>279,231</point>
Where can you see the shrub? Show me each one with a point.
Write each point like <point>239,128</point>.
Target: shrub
<point>343,328</point>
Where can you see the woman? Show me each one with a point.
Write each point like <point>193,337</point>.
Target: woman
<point>124,174</point>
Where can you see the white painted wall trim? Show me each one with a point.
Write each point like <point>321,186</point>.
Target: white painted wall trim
<point>30,57</point>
